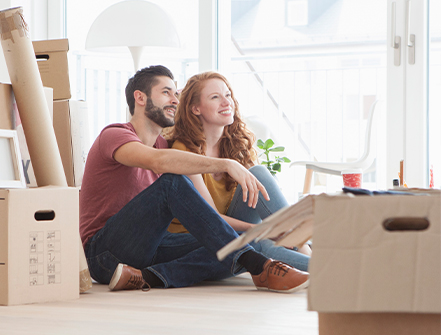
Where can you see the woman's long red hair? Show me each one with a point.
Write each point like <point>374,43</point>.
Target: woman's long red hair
<point>236,142</point>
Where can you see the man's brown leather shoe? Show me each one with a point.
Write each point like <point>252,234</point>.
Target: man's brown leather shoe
<point>280,277</point>
<point>127,278</point>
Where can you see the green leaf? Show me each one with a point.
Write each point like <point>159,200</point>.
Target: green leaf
<point>277,167</point>
<point>260,144</point>
<point>283,159</point>
<point>277,149</point>
<point>268,144</point>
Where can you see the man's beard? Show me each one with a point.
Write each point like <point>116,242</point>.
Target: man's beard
<point>156,114</point>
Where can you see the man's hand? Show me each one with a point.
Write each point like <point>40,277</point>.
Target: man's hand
<point>251,186</point>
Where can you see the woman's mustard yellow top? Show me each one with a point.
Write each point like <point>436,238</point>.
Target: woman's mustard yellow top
<point>221,197</point>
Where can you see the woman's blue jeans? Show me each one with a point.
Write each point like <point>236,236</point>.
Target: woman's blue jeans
<point>240,210</point>
<point>137,235</point>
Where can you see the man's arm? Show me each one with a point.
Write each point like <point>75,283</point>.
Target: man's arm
<point>136,154</point>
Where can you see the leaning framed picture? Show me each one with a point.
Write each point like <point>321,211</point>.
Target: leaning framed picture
<point>11,168</point>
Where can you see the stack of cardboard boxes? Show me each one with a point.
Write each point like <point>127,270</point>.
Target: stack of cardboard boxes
<point>39,225</point>
<point>70,116</point>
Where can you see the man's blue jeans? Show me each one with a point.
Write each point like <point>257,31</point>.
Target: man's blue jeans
<point>240,210</point>
<point>137,236</point>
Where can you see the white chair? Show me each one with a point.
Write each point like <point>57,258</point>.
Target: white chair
<point>259,128</point>
<point>335,168</point>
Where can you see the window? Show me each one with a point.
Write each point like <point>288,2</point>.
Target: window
<point>313,83</point>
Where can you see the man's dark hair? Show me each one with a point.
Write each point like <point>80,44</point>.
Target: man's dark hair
<point>144,80</point>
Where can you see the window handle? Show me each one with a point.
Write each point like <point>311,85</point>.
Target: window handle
<point>395,40</point>
<point>410,37</point>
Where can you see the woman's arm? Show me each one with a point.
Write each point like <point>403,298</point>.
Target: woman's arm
<point>199,184</point>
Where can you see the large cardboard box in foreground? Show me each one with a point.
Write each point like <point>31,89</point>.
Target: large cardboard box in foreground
<point>53,66</point>
<point>72,132</point>
<point>376,264</point>
<point>38,245</point>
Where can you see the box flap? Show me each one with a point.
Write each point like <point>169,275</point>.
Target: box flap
<point>46,46</point>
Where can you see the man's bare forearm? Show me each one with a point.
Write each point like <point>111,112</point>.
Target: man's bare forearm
<point>181,162</point>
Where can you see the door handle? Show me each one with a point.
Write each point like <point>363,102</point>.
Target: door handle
<point>395,40</point>
<point>410,37</point>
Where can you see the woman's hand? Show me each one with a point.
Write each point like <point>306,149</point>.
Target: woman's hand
<point>251,186</point>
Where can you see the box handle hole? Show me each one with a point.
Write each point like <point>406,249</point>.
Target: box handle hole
<point>42,58</point>
<point>44,215</point>
<point>406,224</point>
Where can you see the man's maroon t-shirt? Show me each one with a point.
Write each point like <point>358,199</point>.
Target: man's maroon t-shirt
<point>108,185</point>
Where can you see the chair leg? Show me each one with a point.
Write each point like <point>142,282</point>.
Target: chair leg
<point>308,179</point>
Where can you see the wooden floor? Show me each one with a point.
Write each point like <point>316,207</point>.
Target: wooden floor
<point>232,306</point>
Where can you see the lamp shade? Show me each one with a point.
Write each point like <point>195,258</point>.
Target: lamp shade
<point>133,23</point>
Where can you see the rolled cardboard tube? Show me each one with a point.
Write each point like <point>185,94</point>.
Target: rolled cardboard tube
<point>34,112</point>
<point>30,98</point>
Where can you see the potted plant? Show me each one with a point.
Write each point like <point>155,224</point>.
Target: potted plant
<point>273,165</point>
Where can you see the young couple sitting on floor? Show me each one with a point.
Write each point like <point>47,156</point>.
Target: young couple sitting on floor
<point>151,216</point>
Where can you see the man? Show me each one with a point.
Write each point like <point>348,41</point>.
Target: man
<point>133,186</point>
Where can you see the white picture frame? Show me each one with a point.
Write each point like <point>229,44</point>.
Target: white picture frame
<point>11,168</point>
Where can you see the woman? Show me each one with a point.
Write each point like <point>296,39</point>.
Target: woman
<point>208,122</point>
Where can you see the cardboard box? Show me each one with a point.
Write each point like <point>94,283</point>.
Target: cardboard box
<point>6,106</point>
<point>379,323</point>
<point>72,133</point>
<point>52,63</point>
<point>362,269</point>
<point>38,245</point>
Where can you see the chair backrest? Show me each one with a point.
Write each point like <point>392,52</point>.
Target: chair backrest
<point>367,156</point>
<point>259,128</point>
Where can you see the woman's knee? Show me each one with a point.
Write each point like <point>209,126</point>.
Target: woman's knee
<point>259,170</point>
<point>264,176</point>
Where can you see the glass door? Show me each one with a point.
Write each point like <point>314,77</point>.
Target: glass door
<point>434,118</point>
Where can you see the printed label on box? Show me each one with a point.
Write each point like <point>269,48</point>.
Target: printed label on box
<point>45,245</point>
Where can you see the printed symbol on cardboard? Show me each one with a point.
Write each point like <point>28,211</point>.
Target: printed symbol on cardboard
<point>35,236</point>
<point>33,269</point>
<point>53,235</point>
<point>51,256</point>
<point>51,268</point>
<point>36,242</point>
<point>54,279</point>
<point>53,246</point>
<point>36,280</point>
<point>33,259</point>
